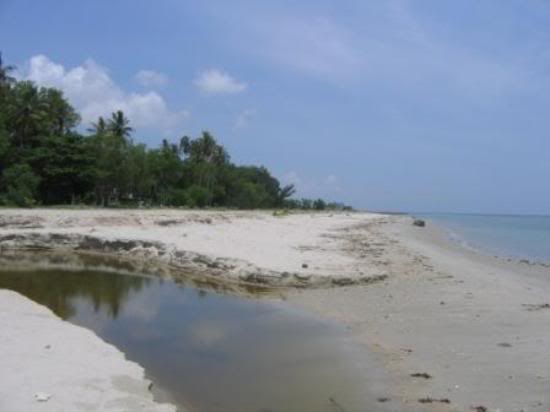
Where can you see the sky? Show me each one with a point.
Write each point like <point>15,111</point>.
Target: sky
<point>425,105</point>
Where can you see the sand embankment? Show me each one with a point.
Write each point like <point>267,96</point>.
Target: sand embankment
<point>246,247</point>
<point>47,364</point>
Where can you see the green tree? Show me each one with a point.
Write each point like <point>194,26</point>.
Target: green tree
<point>167,171</point>
<point>66,169</point>
<point>99,127</point>
<point>6,81</point>
<point>319,204</point>
<point>5,78</point>
<point>21,184</point>
<point>61,117</point>
<point>204,149</point>
<point>43,159</point>
<point>119,126</point>
<point>26,113</point>
<point>306,204</point>
<point>111,147</point>
<point>198,196</point>
<point>205,157</point>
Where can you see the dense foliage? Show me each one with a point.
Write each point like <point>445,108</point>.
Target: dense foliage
<point>44,160</point>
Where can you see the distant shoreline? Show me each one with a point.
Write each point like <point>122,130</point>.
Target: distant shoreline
<point>522,252</point>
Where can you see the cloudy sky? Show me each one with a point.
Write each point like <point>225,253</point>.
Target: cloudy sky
<point>391,104</point>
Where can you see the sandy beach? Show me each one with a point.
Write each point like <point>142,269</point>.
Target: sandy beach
<point>456,330</point>
<point>472,328</point>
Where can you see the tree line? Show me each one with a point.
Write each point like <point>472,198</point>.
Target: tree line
<point>44,160</point>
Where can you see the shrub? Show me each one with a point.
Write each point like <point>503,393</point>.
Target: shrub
<point>198,196</point>
<point>319,204</point>
<point>22,185</point>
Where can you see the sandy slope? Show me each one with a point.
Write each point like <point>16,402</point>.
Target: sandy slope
<point>70,367</point>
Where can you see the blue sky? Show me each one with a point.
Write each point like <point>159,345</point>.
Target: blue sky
<point>394,105</point>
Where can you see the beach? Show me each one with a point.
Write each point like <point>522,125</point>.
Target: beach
<point>454,329</point>
<point>471,327</point>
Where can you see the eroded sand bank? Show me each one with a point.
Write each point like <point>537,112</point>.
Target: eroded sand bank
<point>47,364</point>
<point>472,329</point>
<point>247,247</point>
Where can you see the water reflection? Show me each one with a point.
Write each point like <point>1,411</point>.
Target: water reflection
<point>93,262</point>
<point>206,351</point>
<point>59,290</point>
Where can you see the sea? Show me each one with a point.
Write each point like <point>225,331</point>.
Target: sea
<point>509,236</point>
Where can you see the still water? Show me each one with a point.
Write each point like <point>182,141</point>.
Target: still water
<point>207,351</point>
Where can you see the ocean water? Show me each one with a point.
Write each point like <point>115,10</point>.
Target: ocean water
<point>515,236</point>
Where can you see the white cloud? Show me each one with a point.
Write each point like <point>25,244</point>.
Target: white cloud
<point>92,91</point>
<point>243,118</point>
<point>213,81</point>
<point>150,78</point>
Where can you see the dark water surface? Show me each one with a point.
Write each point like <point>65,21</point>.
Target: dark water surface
<point>206,351</point>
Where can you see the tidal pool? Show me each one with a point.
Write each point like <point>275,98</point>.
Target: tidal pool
<point>206,351</point>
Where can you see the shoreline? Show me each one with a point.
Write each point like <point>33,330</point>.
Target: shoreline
<point>462,242</point>
<point>472,323</point>
<point>458,319</point>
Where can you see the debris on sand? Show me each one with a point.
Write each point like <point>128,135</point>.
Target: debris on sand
<point>540,306</point>
<point>42,396</point>
<point>479,408</point>
<point>421,375</point>
<point>419,223</point>
<point>432,400</point>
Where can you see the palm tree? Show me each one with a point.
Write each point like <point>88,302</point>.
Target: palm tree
<point>206,155</point>
<point>119,125</point>
<point>5,78</point>
<point>62,116</point>
<point>29,112</point>
<point>99,127</point>
<point>204,149</point>
<point>284,193</point>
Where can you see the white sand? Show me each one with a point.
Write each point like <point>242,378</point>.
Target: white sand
<point>247,246</point>
<point>67,366</point>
